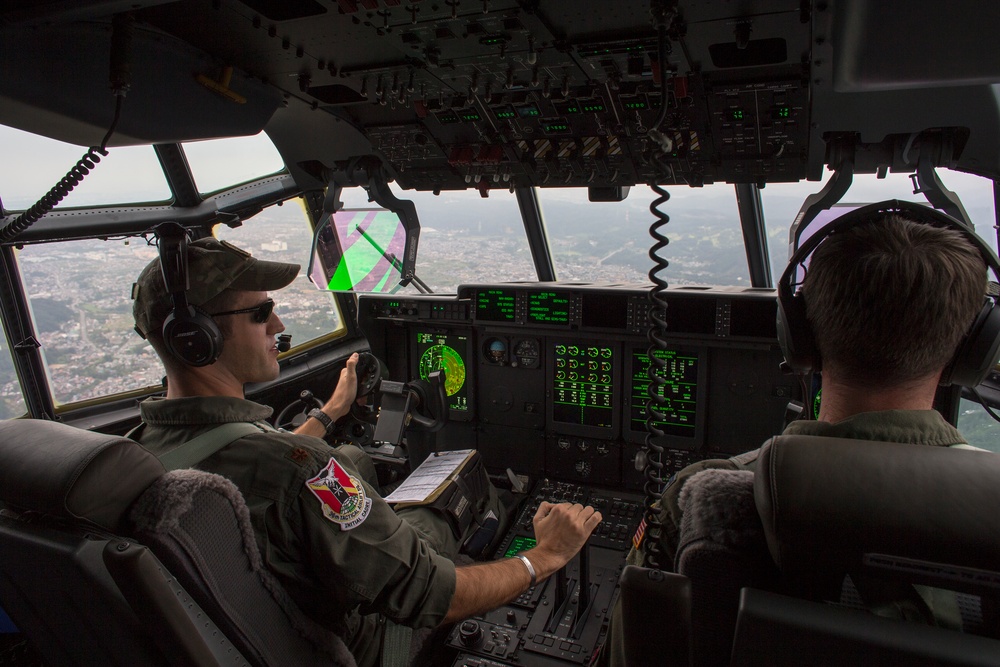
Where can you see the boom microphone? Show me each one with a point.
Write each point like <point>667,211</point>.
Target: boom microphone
<point>284,342</point>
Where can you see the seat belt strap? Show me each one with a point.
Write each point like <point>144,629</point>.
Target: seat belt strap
<point>200,448</point>
<point>396,645</point>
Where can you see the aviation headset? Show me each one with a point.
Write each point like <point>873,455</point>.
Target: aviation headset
<point>189,333</point>
<point>976,354</point>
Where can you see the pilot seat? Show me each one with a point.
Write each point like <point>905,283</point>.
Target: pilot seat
<point>107,559</point>
<point>828,553</point>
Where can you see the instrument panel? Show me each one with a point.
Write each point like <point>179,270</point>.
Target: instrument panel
<point>552,380</point>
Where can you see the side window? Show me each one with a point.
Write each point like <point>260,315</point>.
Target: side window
<point>978,427</point>
<point>11,399</point>
<point>79,293</point>
<point>283,234</point>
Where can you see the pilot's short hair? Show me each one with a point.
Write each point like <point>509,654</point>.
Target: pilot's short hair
<point>890,300</point>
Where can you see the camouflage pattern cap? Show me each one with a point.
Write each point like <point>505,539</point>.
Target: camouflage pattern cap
<point>213,266</point>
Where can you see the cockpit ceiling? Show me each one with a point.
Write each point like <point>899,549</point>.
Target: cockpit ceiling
<point>488,94</point>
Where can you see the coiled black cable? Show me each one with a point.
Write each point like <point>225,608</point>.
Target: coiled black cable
<point>653,469</point>
<point>61,189</point>
<point>663,16</point>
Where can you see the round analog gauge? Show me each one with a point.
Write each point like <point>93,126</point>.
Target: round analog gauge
<point>437,357</point>
<point>526,352</point>
<point>495,351</point>
<point>583,468</point>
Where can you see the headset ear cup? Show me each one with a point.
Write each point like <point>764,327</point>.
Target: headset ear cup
<point>192,336</point>
<point>796,337</point>
<point>977,354</point>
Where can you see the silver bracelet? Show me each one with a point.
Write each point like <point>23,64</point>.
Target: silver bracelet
<point>531,568</point>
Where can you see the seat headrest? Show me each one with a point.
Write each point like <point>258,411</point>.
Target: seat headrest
<point>824,502</point>
<point>64,471</point>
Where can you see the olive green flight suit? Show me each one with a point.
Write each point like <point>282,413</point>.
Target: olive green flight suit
<point>339,550</point>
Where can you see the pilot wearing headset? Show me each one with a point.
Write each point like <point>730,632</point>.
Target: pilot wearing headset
<point>891,307</point>
<point>339,550</point>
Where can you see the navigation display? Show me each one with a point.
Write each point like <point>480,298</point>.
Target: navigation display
<point>583,383</point>
<point>680,392</point>
<point>451,352</point>
<point>495,305</point>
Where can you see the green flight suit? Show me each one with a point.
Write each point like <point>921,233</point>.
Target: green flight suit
<point>918,427</point>
<point>343,570</point>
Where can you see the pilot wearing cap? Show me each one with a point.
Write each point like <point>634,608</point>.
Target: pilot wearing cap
<point>344,556</point>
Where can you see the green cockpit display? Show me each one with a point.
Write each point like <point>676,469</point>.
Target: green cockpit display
<point>445,352</point>
<point>441,356</point>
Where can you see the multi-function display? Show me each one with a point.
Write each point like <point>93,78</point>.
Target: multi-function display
<point>448,351</point>
<point>548,308</point>
<point>496,305</point>
<point>679,391</point>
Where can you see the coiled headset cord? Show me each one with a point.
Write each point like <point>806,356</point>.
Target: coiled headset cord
<point>61,189</point>
<point>663,17</point>
<point>120,76</point>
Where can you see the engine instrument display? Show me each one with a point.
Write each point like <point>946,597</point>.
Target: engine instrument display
<point>583,382</point>
<point>680,392</point>
<point>448,352</point>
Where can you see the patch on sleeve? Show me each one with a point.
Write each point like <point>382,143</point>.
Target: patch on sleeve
<point>341,496</point>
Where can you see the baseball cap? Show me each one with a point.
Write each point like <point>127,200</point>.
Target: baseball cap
<point>213,266</point>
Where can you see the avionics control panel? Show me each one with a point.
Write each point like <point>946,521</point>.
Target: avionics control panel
<point>553,379</point>
<point>564,618</point>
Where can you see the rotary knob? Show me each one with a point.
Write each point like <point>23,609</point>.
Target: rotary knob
<point>470,633</point>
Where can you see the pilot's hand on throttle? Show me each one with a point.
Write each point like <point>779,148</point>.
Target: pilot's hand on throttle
<point>561,530</point>
<point>346,390</point>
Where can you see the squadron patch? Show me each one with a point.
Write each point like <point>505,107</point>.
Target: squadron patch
<point>341,496</point>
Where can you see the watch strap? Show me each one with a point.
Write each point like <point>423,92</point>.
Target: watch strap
<point>322,418</point>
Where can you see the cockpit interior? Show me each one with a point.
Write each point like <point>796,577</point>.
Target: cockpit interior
<point>549,379</point>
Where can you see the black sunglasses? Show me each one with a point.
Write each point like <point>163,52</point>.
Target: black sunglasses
<point>260,312</point>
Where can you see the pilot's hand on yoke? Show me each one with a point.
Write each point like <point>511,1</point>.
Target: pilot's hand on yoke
<point>345,392</point>
<point>338,405</point>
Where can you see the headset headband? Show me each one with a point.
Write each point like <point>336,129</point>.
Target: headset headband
<point>915,212</point>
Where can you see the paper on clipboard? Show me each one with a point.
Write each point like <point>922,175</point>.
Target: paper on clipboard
<point>430,478</point>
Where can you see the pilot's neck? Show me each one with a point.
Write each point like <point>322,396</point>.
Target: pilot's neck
<point>204,381</point>
<point>844,399</point>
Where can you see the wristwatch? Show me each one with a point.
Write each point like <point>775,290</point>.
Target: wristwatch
<point>322,418</point>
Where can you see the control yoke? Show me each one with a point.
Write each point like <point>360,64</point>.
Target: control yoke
<point>420,403</point>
